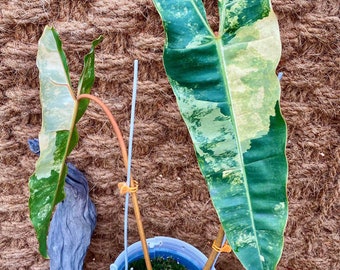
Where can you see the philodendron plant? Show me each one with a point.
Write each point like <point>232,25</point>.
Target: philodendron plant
<point>228,94</point>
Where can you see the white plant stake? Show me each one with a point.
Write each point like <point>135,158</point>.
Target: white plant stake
<point>128,178</point>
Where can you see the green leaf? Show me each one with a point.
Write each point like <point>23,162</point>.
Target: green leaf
<point>58,135</point>
<point>87,78</point>
<point>228,95</point>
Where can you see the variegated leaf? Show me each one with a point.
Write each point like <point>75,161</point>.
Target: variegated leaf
<point>228,95</point>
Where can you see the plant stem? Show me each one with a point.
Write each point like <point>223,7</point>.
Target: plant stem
<point>125,160</point>
<point>213,254</point>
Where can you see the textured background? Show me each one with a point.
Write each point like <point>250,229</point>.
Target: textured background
<point>173,196</point>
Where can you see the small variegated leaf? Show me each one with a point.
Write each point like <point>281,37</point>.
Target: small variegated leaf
<point>58,135</point>
<point>58,105</point>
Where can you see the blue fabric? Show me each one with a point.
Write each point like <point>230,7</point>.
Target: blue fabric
<point>73,221</point>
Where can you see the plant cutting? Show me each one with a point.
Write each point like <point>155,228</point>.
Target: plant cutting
<point>229,97</point>
<point>62,108</point>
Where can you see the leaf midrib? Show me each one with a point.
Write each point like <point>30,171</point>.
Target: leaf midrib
<point>220,52</point>
<point>221,56</point>
<point>73,121</point>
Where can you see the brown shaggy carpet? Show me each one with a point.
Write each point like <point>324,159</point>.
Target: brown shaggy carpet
<point>173,196</point>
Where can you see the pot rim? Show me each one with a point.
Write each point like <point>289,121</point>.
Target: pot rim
<point>163,246</point>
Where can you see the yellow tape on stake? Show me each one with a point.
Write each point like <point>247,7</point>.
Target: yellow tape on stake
<point>224,248</point>
<point>124,188</point>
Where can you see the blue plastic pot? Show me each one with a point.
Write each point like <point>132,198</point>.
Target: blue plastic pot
<point>186,254</point>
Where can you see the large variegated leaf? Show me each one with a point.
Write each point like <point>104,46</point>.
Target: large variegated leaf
<point>228,95</point>
<point>58,135</point>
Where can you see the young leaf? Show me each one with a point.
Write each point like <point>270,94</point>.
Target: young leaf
<point>58,135</point>
<point>228,95</point>
<point>87,78</point>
